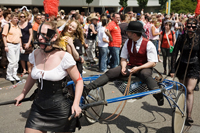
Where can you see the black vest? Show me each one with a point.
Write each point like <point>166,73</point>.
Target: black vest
<point>90,35</point>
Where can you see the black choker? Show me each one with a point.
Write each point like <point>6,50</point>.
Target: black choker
<point>49,50</point>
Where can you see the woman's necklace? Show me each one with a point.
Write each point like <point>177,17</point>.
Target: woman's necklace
<point>46,57</point>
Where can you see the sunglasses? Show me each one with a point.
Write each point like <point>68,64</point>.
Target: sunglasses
<point>22,17</point>
<point>38,18</point>
<point>193,27</point>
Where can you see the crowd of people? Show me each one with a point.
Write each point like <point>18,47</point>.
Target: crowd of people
<point>124,43</point>
<point>97,36</point>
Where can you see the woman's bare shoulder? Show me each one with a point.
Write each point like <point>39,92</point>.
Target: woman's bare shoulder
<point>61,54</point>
<point>36,52</point>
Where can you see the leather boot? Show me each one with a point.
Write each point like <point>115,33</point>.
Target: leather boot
<point>101,81</point>
<point>159,98</point>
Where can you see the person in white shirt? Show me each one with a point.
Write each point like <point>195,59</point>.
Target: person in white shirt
<point>142,57</point>
<point>103,41</point>
<point>6,20</point>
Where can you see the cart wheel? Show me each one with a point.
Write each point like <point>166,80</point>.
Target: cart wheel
<point>178,119</point>
<point>93,114</point>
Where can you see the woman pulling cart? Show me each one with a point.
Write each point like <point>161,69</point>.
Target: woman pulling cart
<point>188,46</point>
<point>50,109</point>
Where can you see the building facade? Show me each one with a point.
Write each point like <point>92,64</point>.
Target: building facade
<point>96,5</point>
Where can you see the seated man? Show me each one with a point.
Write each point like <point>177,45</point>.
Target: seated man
<point>142,57</point>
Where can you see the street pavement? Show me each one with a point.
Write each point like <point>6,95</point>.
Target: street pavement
<point>139,116</point>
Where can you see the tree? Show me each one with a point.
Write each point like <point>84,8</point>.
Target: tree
<point>142,3</point>
<point>162,3</point>
<point>88,2</point>
<point>183,6</point>
<point>123,3</point>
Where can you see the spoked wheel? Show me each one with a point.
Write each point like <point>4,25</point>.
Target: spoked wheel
<point>93,114</point>
<point>178,119</point>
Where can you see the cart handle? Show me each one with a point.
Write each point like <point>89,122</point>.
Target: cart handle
<point>86,106</point>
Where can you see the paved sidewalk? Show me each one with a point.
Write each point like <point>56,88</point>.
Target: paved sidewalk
<point>4,82</point>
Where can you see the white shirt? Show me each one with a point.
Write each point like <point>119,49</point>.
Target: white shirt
<point>151,37</point>
<point>151,50</point>
<point>4,22</point>
<point>56,74</point>
<point>101,34</point>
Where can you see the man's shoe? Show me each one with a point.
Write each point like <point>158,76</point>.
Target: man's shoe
<point>16,77</point>
<point>10,78</point>
<point>159,99</point>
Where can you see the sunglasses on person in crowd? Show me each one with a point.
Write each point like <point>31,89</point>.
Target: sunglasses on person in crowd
<point>193,27</point>
<point>22,16</point>
<point>38,18</point>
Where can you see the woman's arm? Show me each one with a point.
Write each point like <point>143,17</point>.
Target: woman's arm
<point>30,38</point>
<point>174,55</point>
<point>31,35</point>
<point>76,77</point>
<point>92,28</point>
<point>174,38</point>
<point>27,87</point>
<point>159,43</point>
<point>108,34</point>
<point>105,40</point>
<point>72,50</point>
<point>153,31</point>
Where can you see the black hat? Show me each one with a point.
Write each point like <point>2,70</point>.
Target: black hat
<point>135,26</point>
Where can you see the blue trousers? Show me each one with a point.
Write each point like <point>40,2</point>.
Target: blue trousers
<point>103,53</point>
<point>114,60</point>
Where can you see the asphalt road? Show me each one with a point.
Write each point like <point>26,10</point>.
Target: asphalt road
<point>139,116</point>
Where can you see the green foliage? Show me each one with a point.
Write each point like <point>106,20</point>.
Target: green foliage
<point>183,6</point>
<point>123,3</point>
<point>163,3</point>
<point>89,1</point>
<point>142,3</point>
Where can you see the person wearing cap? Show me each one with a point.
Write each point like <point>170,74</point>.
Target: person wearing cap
<point>91,39</point>
<point>142,57</point>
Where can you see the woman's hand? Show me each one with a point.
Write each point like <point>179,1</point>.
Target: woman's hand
<point>159,50</point>
<point>19,98</point>
<point>21,48</point>
<point>6,49</point>
<point>82,60</point>
<point>69,40</point>
<point>77,109</point>
<point>27,46</point>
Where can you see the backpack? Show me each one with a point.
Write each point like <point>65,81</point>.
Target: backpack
<point>2,31</point>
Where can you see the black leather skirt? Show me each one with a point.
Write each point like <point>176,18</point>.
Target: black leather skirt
<point>50,110</point>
